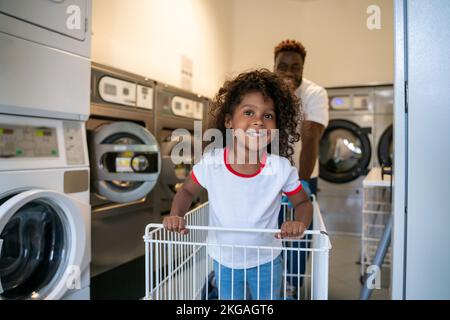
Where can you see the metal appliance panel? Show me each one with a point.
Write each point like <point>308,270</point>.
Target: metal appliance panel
<point>67,18</point>
<point>39,81</point>
<point>64,25</point>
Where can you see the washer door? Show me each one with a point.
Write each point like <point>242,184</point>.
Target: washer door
<point>176,168</point>
<point>42,244</point>
<point>344,151</point>
<point>125,161</point>
<point>386,148</point>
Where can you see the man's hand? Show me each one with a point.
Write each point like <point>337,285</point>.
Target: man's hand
<point>291,229</point>
<point>174,223</point>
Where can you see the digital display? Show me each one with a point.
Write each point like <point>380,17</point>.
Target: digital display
<point>28,141</point>
<point>110,89</point>
<point>6,131</point>
<point>43,133</point>
<point>338,101</point>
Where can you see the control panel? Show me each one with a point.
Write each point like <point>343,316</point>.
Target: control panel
<point>144,97</point>
<point>73,138</point>
<point>28,141</point>
<point>125,93</point>
<point>340,103</point>
<point>187,108</point>
<point>117,91</point>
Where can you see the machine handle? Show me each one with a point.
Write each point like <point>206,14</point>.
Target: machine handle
<point>105,148</point>
<point>132,176</point>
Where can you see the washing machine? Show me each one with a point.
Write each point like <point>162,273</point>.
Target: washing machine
<point>125,164</point>
<point>180,118</point>
<point>345,157</point>
<point>45,215</point>
<point>356,139</point>
<point>45,58</point>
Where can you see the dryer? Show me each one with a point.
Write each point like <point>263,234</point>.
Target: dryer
<point>45,215</point>
<point>177,109</point>
<point>45,58</point>
<point>125,164</point>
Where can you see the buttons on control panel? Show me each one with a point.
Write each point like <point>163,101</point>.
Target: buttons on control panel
<point>27,141</point>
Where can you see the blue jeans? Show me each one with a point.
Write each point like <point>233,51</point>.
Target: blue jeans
<point>267,290</point>
<point>313,186</point>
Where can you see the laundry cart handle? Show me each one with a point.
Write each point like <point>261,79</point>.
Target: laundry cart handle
<point>209,228</point>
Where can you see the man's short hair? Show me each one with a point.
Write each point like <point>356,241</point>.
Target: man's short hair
<point>290,45</point>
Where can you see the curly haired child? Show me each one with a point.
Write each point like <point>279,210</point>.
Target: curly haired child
<point>253,108</point>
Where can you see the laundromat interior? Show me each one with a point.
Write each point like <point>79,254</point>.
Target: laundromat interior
<point>96,95</point>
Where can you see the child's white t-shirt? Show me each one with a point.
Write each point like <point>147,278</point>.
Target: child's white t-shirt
<point>244,201</point>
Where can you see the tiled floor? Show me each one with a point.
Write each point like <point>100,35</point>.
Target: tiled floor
<point>344,270</point>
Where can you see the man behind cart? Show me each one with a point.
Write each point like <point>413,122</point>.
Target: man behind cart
<point>289,56</point>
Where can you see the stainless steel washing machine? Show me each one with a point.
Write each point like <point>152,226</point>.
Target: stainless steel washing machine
<point>177,109</point>
<point>125,165</point>
<point>345,156</point>
<point>357,138</point>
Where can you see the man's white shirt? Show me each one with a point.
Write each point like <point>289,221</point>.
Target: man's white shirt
<point>314,100</point>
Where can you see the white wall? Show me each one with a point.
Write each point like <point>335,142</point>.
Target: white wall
<point>340,48</point>
<point>225,37</point>
<point>149,37</point>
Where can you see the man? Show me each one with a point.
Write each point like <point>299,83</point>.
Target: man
<point>289,61</point>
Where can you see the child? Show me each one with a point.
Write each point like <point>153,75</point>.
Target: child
<point>247,194</point>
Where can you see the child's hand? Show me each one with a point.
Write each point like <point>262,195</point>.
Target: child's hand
<point>174,223</point>
<point>291,229</point>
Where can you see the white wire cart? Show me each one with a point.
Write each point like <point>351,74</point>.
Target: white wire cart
<point>178,267</point>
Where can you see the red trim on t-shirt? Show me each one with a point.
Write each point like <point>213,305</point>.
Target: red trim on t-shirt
<point>195,178</point>
<point>290,193</point>
<point>243,175</point>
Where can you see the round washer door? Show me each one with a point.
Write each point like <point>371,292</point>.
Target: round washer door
<point>42,244</point>
<point>345,151</point>
<point>125,161</point>
<point>176,164</point>
<point>386,148</point>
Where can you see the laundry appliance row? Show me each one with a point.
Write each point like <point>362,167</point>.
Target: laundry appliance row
<point>134,178</point>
